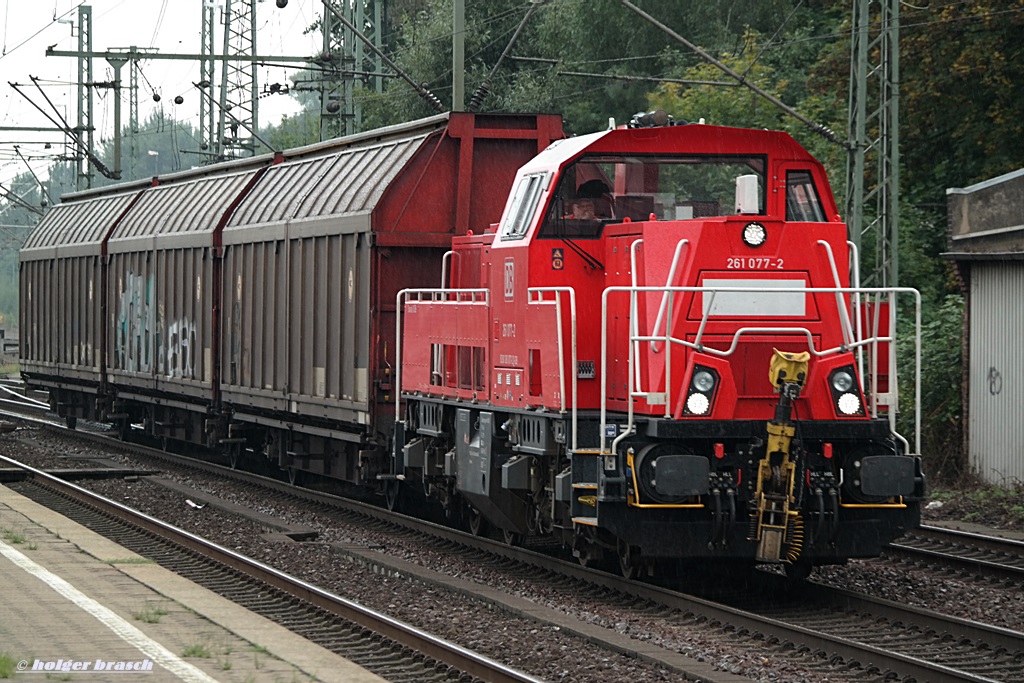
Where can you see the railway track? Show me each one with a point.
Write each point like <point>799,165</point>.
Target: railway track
<point>391,649</point>
<point>977,555</point>
<point>842,634</point>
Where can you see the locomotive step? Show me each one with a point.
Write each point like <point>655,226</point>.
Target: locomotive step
<point>588,521</point>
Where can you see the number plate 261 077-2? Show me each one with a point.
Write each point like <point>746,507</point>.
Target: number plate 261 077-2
<point>753,263</point>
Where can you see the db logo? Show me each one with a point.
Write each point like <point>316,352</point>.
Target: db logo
<point>510,278</point>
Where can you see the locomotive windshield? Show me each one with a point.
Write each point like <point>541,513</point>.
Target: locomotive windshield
<point>597,190</point>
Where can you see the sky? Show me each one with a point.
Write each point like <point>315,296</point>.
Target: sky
<point>170,26</point>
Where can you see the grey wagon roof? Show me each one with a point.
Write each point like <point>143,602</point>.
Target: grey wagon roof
<point>189,207</point>
<point>350,181</point>
<point>78,222</point>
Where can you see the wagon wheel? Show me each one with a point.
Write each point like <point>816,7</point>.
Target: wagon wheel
<point>293,475</point>
<point>392,490</point>
<point>234,455</point>
<point>71,421</point>
<point>477,523</point>
<point>630,563</point>
<point>124,429</point>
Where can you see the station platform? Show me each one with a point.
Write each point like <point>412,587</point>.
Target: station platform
<point>76,606</point>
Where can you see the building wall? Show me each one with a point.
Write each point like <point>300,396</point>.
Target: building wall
<point>986,223</point>
<point>996,371</point>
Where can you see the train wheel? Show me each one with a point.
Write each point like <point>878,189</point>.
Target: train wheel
<point>391,492</point>
<point>124,429</point>
<point>293,475</point>
<point>71,421</point>
<point>588,553</point>
<point>477,523</point>
<point>512,538</point>
<point>234,454</point>
<point>630,563</point>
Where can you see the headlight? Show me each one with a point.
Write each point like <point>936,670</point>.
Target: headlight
<point>754,234</point>
<point>849,404</point>
<point>697,404</point>
<point>842,381</point>
<point>703,381</point>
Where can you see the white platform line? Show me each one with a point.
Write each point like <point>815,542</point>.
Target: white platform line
<point>130,634</point>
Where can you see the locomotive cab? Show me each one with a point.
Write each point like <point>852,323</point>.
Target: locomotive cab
<point>659,354</point>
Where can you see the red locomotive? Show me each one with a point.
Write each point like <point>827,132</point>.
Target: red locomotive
<point>657,354</point>
<point>653,352</point>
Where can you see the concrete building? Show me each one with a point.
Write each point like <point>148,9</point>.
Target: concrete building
<point>987,244</point>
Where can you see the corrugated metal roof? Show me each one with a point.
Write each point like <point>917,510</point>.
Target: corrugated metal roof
<point>78,222</point>
<point>190,207</point>
<point>348,182</point>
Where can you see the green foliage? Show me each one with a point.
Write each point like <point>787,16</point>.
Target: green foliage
<point>962,93</point>
<point>7,665</point>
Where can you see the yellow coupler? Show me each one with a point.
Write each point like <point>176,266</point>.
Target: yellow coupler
<point>775,481</point>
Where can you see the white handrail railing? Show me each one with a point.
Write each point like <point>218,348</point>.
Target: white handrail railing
<point>636,338</point>
<point>557,301</point>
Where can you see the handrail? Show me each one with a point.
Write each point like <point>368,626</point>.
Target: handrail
<point>892,293</point>
<point>855,270</point>
<point>634,319</point>
<point>540,291</point>
<point>444,267</point>
<point>845,325</point>
<point>668,283</point>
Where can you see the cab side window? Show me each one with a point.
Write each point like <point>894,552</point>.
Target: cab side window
<point>802,202</point>
<point>523,207</point>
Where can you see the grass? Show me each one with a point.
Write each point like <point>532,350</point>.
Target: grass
<point>14,537</point>
<point>150,615</point>
<point>198,650</point>
<point>7,665</point>
<point>997,506</point>
<point>130,560</point>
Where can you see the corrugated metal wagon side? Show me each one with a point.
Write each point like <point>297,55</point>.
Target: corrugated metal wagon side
<point>62,294</point>
<point>163,287</point>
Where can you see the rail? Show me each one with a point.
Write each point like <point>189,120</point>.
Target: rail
<point>633,391</point>
<point>464,660</point>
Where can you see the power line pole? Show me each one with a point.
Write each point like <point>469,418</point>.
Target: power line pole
<point>238,83</point>
<point>345,62</point>
<point>874,135</point>
<point>206,62</point>
<point>83,178</point>
<point>459,55</point>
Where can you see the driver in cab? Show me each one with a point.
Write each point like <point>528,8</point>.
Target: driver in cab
<point>588,196</point>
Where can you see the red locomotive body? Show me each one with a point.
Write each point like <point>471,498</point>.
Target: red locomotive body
<point>656,354</point>
<point>659,354</point>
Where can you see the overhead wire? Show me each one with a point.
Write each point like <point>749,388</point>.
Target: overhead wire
<point>48,25</point>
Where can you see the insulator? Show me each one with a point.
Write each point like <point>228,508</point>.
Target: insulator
<point>479,96</point>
